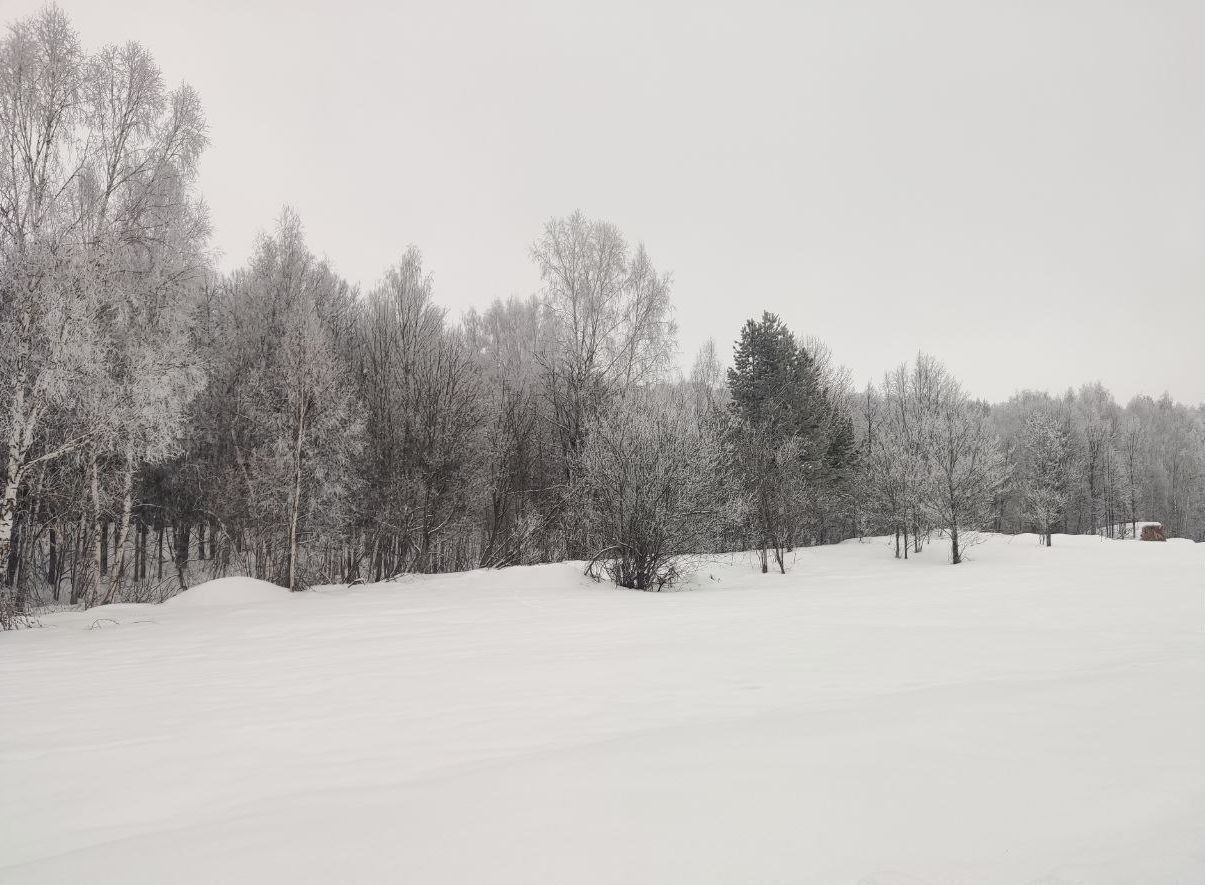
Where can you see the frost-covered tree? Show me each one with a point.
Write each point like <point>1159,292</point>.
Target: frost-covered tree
<point>1094,414</point>
<point>706,380</point>
<point>101,240</point>
<point>296,422</point>
<point>932,459</point>
<point>967,468</point>
<point>1131,452</point>
<point>609,327</point>
<point>1045,451</point>
<point>421,390</point>
<point>884,488</point>
<point>520,481</point>
<point>152,375</point>
<point>48,306</point>
<point>898,470</point>
<point>833,493</point>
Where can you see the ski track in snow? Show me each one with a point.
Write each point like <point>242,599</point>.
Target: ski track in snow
<point>1034,716</point>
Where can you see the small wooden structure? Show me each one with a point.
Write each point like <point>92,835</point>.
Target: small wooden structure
<point>1153,532</point>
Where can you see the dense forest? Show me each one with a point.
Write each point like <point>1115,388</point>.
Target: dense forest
<point>162,422</point>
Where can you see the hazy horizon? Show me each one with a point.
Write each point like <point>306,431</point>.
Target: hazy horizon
<point>1018,191</point>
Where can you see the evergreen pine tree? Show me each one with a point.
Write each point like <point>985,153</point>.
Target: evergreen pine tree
<point>772,381</point>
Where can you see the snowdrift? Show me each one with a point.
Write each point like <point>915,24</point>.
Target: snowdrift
<point>229,591</point>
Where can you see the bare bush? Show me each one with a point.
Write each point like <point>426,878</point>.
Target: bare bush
<point>646,489</point>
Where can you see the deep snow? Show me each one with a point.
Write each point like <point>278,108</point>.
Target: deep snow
<point>1032,716</point>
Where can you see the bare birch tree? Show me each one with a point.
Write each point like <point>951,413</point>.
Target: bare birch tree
<point>609,327</point>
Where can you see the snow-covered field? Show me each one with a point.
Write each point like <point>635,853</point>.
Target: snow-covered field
<point>1033,716</point>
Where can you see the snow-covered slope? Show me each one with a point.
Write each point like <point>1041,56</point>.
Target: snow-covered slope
<point>1032,716</point>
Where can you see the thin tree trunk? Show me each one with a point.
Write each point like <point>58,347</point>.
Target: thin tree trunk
<point>127,501</point>
<point>181,532</point>
<point>296,498</point>
<point>19,439</point>
<point>96,549</point>
<point>81,563</point>
<point>137,538</point>
<point>8,516</point>
<point>140,533</point>
<point>104,548</point>
<point>14,557</point>
<point>52,570</point>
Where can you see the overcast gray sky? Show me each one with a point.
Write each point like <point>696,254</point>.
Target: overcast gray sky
<point>1017,187</point>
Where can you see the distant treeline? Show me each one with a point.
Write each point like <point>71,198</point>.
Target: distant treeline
<point>162,423</point>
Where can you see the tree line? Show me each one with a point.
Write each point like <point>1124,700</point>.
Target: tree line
<point>161,422</point>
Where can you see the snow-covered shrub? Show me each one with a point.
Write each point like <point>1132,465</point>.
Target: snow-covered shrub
<point>647,489</point>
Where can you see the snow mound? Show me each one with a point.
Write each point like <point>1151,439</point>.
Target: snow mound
<point>229,591</point>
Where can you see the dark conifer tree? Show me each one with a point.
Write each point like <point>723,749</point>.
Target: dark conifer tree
<point>772,380</point>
